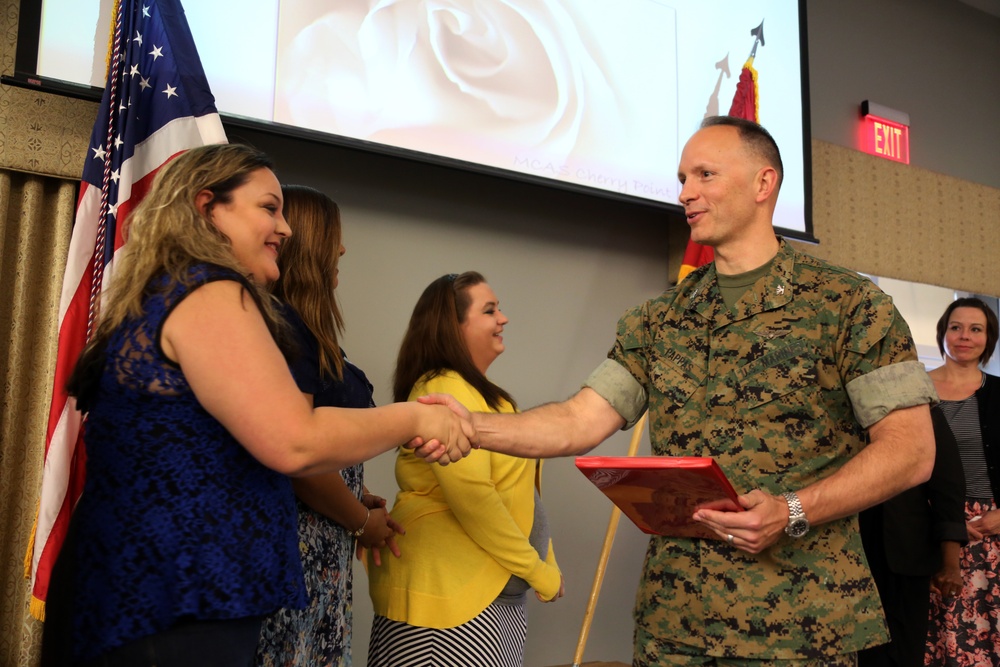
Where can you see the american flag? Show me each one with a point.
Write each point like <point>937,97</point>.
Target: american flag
<point>156,104</point>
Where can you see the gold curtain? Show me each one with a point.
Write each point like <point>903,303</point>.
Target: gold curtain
<point>36,214</point>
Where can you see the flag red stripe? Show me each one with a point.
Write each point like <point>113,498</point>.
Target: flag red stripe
<point>60,524</point>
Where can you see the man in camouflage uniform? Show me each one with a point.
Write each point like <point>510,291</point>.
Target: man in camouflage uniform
<point>801,380</point>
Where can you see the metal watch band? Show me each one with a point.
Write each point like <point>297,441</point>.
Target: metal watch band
<point>798,524</point>
<point>794,504</point>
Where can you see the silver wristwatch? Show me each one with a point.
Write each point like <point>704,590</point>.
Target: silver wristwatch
<point>798,524</point>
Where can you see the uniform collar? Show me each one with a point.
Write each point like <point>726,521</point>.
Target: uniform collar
<point>771,291</point>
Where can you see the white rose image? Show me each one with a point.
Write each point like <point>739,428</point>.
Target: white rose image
<point>480,80</point>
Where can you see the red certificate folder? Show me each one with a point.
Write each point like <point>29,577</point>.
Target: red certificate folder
<point>661,493</point>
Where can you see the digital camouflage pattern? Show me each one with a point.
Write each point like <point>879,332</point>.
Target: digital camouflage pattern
<point>762,388</point>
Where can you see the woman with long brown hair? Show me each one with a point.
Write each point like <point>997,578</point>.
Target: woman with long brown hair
<point>476,537</point>
<point>334,509</point>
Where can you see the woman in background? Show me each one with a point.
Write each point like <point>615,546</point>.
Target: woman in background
<point>334,509</point>
<point>476,536</point>
<point>965,627</point>
<point>184,535</point>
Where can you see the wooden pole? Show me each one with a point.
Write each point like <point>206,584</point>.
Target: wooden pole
<point>602,563</point>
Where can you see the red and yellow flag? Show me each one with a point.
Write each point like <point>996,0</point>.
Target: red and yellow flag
<point>745,105</point>
<point>745,99</point>
<point>695,255</point>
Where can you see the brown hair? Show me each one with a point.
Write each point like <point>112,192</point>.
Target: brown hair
<point>757,140</point>
<point>991,324</point>
<point>433,340</point>
<point>308,262</point>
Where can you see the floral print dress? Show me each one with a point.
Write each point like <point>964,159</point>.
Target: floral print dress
<point>320,634</point>
<point>965,630</point>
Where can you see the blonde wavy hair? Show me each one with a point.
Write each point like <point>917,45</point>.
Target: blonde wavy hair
<point>167,234</point>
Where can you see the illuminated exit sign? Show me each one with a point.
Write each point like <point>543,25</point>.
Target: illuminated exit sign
<point>886,132</point>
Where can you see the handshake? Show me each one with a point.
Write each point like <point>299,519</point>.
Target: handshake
<point>449,434</point>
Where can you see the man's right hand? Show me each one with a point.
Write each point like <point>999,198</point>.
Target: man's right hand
<point>448,400</point>
<point>455,431</point>
<point>460,411</point>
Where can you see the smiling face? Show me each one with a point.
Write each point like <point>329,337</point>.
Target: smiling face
<point>482,326</point>
<point>719,191</point>
<point>253,223</point>
<point>965,335</point>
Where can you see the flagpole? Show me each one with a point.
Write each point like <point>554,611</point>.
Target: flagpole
<point>100,244</point>
<point>602,562</point>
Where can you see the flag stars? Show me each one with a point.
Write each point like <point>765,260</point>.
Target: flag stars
<point>118,141</point>
<point>99,153</point>
<point>171,91</point>
<point>115,175</point>
<point>157,52</point>
<point>137,38</point>
<point>134,70</point>
<point>144,83</point>
<point>145,11</point>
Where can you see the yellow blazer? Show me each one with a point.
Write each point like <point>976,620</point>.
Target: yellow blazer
<point>467,527</point>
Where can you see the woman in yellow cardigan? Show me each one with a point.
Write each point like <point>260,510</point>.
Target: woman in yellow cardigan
<point>476,537</point>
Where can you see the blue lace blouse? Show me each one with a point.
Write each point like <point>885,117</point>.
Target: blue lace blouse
<point>177,520</point>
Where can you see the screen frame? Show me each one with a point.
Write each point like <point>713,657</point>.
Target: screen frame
<point>26,62</point>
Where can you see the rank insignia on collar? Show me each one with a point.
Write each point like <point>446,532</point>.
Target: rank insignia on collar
<point>780,290</point>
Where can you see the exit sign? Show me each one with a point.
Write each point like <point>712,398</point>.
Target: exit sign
<point>887,139</point>
<point>885,134</point>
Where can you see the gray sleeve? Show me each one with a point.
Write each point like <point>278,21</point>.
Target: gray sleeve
<point>900,385</point>
<point>617,386</point>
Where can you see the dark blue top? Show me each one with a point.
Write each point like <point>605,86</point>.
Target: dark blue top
<point>354,391</point>
<point>177,520</point>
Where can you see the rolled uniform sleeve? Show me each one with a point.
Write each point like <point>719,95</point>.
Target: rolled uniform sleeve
<point>901,385</point>
<point>619,388</point>
<point>882,372</point>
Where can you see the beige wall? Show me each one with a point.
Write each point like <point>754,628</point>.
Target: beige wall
<point>888,219</point>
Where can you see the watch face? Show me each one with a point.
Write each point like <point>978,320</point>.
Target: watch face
<point>797,528</point>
